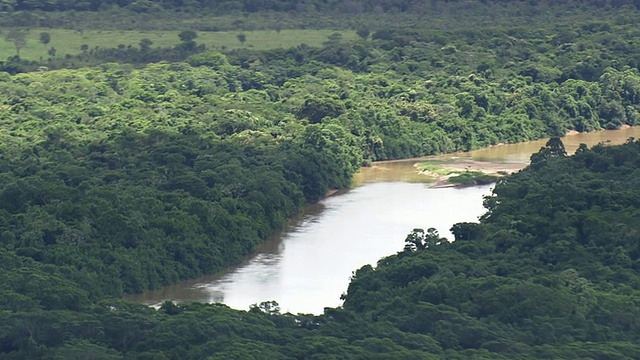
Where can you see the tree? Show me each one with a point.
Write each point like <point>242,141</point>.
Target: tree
<point>335,37</point>
<point>187,40</point>
<point>413,241</point>
<point>18,37</point>
<point>187,35</point>
<point>52,51</point>
<point>45,38</point>
<point>582,148</point>
<point>242,38</point>
<point>267,307</point>
<point>419,240</point>
<point>316,109</point>
<point>556,146</point>
<point>145,44</point>
<point>553,148</point>
<point>363,33</point>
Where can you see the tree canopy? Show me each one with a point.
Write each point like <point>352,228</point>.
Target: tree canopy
<point>128,168</point>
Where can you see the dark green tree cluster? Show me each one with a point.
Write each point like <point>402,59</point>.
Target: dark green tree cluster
<point>405,83</point>
<point>129,176</point>
<point>185,167</point>
<point>124,180</point>
<point>352,6</point>
<point>365,16</point>
<point>551,271</point>
<point>142,54</point>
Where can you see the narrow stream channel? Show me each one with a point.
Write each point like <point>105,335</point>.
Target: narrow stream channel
<point>307,266</point>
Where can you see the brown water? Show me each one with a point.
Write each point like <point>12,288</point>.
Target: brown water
<point>307,266</point>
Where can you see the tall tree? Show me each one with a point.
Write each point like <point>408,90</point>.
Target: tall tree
<point>145,44</point>
<point>187,35</point>
<point>363,33</point>
<point>18,37</point>
<point>242,38</point>
<point>553,148</point>
<point>45,38</point>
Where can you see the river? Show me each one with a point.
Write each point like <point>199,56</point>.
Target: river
<point>307,266</point>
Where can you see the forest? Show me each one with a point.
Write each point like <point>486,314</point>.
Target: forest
<point>230,6</point>
<point>129,168</point>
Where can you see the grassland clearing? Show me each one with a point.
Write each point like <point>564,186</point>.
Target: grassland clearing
<point>70,41</point>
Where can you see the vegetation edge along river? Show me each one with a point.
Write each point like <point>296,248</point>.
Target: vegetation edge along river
<point>285,267</point>
<point>156,164</point>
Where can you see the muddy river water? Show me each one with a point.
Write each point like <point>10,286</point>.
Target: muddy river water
<point>307,266</point>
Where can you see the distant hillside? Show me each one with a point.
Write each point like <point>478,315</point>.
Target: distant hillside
<point>351,6</point>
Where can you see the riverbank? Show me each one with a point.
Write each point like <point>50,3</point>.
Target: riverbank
<point>300,267</point>
<point>503,159</point>
<point>466,172</point>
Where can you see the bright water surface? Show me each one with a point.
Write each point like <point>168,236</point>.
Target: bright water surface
<point>307,266</point>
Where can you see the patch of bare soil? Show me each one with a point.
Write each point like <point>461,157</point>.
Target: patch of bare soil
<point>486,167</point>
<point>489,168</point>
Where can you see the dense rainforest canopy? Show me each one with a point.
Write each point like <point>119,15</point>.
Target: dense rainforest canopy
<point>230,6</point>
<point>212,15</point>
<point>154,165</point>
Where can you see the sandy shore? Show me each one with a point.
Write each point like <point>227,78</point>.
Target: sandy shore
<point>486,167</point>
<point>489,168</point>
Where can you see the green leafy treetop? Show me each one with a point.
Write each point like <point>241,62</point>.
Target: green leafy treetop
<point>553,148</point>
<point>242,38</point>
<point>45,38</point>
<point>18,37</point>
<point>187,35</point>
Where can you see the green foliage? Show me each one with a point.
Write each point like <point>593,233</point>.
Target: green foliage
<point>18,37</point>
<point>433,167</point>
<point>242,38</point>
<point>145,44</point>
<point>468,178</point>
<point>363,33</point>
<point>210,59</point>
<point>553,148</point>
<point>187,35</point>
<point>206,192</point>
<point>245,6</point>
<point>125,177</point>
<point>550,266</point>
<point>45,38</point>
<point>464,177</point>
<point>419,240</point>
<point>68,41</point>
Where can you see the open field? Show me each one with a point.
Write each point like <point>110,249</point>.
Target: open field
<point>69,41</point>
